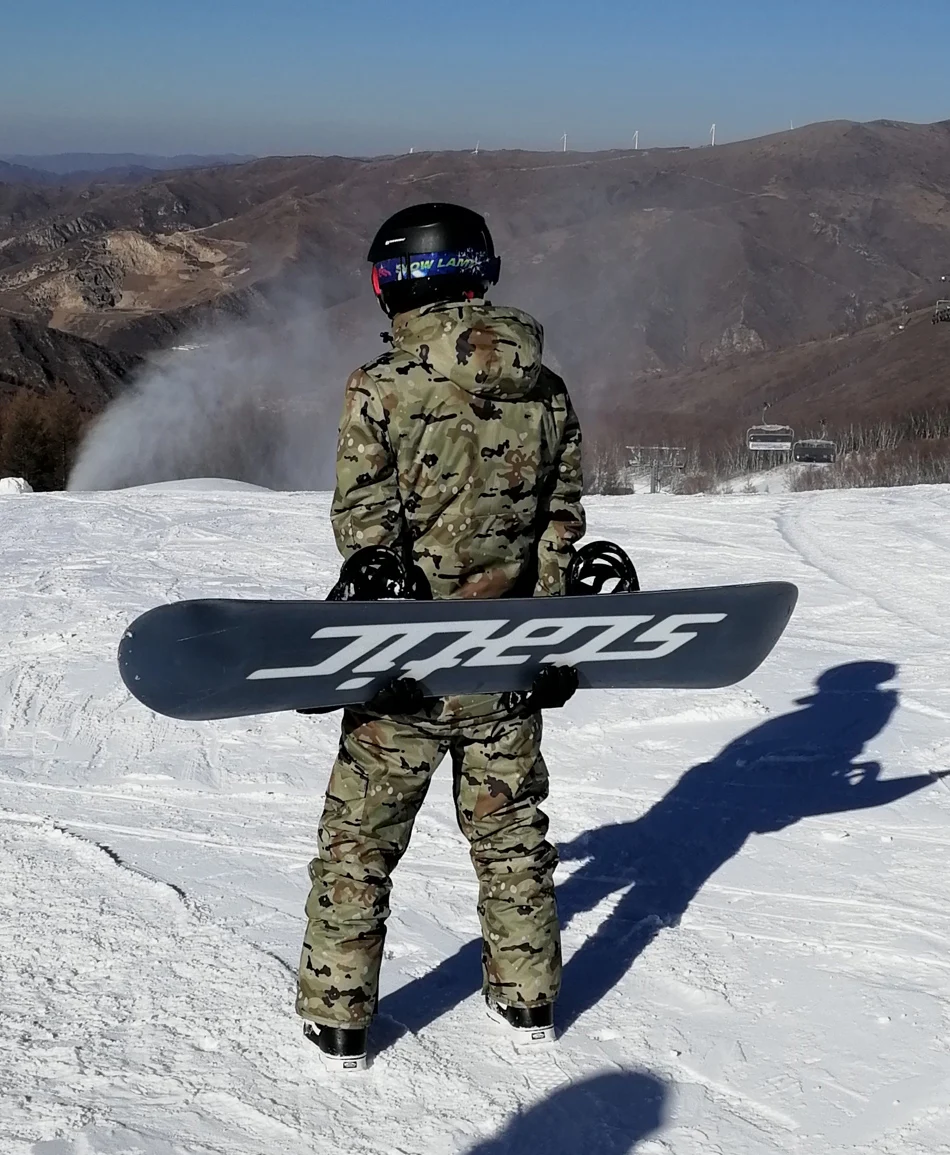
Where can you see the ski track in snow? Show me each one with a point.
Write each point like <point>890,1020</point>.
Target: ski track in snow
<point>756,918</point>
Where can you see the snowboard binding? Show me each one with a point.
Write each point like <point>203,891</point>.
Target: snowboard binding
<point>596,564</point>
<point>377,572</point>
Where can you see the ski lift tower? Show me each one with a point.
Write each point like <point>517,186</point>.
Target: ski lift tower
<point>662,460</point>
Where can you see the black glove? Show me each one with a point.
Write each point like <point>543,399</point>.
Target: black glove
<point>553,686</point>
<point>398,696</point>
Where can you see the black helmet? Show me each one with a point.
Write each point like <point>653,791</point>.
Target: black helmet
<point>431,253</point>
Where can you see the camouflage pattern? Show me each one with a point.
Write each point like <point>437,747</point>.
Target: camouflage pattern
<point>378,783</point>
<point>460,441</point>
<point>461,446</point>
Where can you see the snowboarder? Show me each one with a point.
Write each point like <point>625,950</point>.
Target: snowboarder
<point>461,449</point>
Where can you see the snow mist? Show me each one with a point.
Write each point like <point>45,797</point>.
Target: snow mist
<point>256,400</point>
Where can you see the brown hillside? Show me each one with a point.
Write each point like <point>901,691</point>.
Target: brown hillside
<point>880,368</point>
<point>678,269</point>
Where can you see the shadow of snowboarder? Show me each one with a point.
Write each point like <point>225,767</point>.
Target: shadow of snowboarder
<point>608,1114</point>
<point>795,766</point>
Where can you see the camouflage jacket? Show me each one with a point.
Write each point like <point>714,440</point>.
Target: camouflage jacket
<point>462,443</point>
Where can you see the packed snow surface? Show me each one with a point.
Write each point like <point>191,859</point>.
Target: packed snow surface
<point>754,881</point>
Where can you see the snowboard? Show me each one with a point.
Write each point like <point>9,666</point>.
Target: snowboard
<point>204,659</point>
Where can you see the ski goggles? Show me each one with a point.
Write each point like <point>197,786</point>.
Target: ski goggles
<point>419,266</point>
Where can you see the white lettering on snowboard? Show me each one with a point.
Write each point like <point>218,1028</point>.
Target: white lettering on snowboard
<point>382,645</point>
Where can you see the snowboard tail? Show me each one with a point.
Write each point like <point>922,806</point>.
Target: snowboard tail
<point>199,660</point>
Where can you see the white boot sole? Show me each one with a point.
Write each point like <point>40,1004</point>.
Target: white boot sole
<point>523,1038</point>
<point>350,1065</point>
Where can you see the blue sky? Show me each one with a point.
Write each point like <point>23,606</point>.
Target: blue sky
<point>367,76</point>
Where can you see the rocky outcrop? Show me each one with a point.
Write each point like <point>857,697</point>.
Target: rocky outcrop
<point>39,359</point>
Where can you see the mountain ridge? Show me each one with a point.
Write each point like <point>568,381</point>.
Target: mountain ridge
<point>69,163</point>
<point>647,267</point>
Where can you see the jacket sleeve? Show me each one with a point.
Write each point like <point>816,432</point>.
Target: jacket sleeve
<point>563,519</point>
<point>367,508</point>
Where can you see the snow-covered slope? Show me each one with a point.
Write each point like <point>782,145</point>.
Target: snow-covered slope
<point>754,880</point>
<point>14,485</point>
<point>199,485</point>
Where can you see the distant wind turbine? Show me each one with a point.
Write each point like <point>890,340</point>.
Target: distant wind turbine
<point>712,136</point>
<point>564,142</point>
<point>636,139</point>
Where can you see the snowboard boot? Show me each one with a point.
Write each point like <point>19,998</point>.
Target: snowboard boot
<point>341,1048</point>
<point>528,1027</point>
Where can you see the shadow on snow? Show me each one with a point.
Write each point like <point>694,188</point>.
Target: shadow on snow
<point>795,766</point>
<point>608,1114</point>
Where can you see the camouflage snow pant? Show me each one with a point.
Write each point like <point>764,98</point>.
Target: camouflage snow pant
<point>378,783</point>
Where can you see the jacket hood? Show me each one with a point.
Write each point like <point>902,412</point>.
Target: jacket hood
<point>487,350</point>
